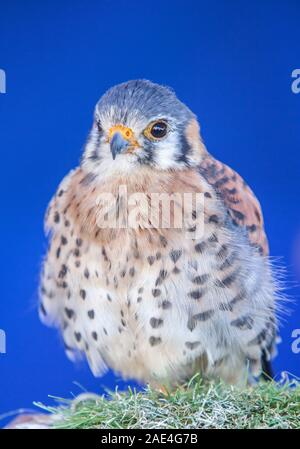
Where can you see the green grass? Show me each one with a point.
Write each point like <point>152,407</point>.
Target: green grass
<point>197,405</point>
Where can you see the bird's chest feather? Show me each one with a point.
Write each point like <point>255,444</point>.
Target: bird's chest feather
<point>149,302</point>
<point>148,308</point>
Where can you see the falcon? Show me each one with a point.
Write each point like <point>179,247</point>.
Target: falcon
<point>152,300</point>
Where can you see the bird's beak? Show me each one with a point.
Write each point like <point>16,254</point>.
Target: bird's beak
<point>118,144</point>
<point>121,140</point>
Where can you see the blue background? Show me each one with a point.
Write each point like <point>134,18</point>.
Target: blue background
<point>230,61</point>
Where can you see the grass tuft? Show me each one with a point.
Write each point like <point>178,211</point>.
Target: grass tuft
<point>196,405</point>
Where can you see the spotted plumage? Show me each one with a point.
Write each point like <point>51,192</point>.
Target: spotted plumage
<point>154,302</point>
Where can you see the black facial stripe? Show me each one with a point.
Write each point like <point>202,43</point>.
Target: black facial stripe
<point>148,156</point>
<point>94,155</point>
<point>185,149</point>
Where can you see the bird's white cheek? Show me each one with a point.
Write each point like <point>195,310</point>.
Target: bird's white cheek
<point>167,153</point>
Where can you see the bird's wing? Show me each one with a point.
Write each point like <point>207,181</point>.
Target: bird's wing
<point>245,211</point>
<point>239,199</point>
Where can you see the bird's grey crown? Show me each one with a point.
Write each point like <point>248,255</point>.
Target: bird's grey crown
<point>142,96</point>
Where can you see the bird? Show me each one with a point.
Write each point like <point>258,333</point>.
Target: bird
<point>130,291</point>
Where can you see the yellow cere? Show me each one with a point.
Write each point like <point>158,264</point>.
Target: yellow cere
<point>127,133</point>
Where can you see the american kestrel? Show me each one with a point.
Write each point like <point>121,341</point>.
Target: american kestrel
<point>153,302</point>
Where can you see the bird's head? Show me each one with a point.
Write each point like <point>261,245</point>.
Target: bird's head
<point>141,123</point>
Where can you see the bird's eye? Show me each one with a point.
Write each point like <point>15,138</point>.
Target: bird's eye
<point>156,130</point>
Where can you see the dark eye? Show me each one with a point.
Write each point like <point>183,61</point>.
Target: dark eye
<point>159,130</point>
